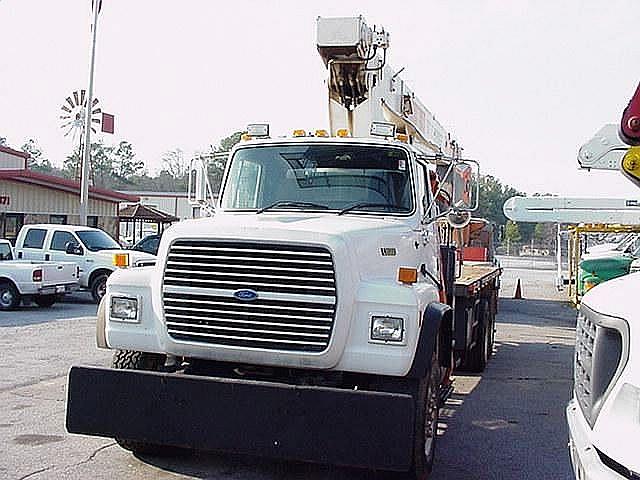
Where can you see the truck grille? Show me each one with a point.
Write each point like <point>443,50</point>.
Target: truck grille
<point>295,285</point>
<point>600,354</point>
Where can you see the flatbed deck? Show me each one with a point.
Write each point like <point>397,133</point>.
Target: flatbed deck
<point>475,276</point>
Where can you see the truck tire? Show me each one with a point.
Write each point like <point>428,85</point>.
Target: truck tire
<point>426,428</point>
<point>9,296</point>
<point>99,287</point>
<point>477,358</point>
<point>45,300</point>
<point>132,360</point>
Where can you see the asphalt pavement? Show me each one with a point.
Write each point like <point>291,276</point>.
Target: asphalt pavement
<point>507,423</point>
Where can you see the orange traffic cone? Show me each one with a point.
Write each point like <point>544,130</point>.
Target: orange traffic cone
<point>518,294</point>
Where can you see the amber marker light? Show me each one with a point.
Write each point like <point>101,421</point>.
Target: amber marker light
<point>342,132</point>
<point>121,260</point>
<point>407,275</point>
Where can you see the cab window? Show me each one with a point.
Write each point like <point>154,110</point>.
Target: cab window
<point>5,251</point>
<point>34,238</point>
<point>60,240</point>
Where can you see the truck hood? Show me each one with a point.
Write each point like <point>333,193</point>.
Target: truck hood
<point>363,236</point>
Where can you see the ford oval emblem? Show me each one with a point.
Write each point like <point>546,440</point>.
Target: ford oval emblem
<point>245,295</point>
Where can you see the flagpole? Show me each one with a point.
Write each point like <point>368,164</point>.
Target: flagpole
<point>86,157</point>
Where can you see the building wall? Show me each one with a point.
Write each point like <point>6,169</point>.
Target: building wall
<point>25,198</point>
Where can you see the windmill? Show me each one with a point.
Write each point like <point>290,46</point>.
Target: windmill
<point>73,118</point>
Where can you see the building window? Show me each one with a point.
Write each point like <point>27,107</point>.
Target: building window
<point>34,238</point>
<point>59,219</point>
<point>92,221</point>
<point>13,222</point>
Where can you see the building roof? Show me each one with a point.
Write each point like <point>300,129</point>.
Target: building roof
<point>63,184</point>
<point>11,151</point>
<point>145,212</point>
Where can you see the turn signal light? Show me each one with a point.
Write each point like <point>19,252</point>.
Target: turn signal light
<point>402,137</point>
<point>322,133</point>
<point>245,137</point>
<point>121,260</point>
<point>342,132</point>
<point>407,275</point>
<point>299,133</point>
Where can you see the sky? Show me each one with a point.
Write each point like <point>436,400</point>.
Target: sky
<point>522,84</point>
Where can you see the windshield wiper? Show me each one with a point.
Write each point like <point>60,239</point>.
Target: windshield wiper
<point>369,205</point>
<point>292,203</point>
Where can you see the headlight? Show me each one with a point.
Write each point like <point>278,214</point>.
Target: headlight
<point>124,309</point>
<point>387,329</point>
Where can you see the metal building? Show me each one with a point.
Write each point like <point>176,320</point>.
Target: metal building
<point>28,197</point>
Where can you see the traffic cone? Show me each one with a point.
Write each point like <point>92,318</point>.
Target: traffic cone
<point>518,294</point>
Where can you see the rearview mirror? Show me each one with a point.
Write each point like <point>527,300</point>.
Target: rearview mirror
<point>458,219</point>
<point>73,248</point>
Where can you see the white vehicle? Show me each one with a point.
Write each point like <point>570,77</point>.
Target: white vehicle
<point>604,414</point>
<point>41,282</point>
<point>306,319</point>
<point>91,248</point>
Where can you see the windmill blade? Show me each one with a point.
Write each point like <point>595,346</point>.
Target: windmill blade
<point>75,97</point>
<point>70,122</point>
<point>66,109</point>
<point>94,102</point>
<point>69,131</point>
<point>97,110</point>
<point>95,120</point>
<point>93,130</point>
<point>82,97</point>
<point>70,102</point>
<point>64,117</point>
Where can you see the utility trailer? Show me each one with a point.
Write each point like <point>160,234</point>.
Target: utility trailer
<point>309,317</point>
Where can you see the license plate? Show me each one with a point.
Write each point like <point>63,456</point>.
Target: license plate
<point>60,289</point>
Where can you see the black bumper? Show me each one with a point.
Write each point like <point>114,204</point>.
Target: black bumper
<point>317,424</point>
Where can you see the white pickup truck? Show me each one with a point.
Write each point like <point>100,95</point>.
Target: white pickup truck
<point>91,248</point>
<point>24,280</point>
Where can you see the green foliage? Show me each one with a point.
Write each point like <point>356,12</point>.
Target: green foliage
<point>492,195</point>
<point>37,161</point>
<point>512,232</point>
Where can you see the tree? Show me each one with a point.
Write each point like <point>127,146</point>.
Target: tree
<point>492,195</point>
<point>101,164</point>
<point>37,161</point>
<point>511,234</point>
<point>125,167</point>
<point>218,163</point>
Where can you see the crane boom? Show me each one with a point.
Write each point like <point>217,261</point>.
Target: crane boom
<point>363,88</point>
<point>604,151</point>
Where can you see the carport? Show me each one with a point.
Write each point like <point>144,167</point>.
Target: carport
<point>134,217</point>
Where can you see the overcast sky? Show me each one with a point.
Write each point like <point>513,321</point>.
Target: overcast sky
<point>522,84</point>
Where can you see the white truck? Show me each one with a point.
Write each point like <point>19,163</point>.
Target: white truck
<point>604,414</point>
<point>307,318</point>
<point>91,248</point>
<point>25,281</point>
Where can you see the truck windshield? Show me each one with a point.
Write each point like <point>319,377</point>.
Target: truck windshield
<point>96,240</point>
<point>319,177</point>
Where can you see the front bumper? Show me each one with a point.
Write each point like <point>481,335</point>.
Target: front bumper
<point>584,457</point>
<point>317,424</point>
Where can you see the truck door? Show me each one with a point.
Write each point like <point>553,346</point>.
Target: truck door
<point>58,248</point>
<point>32,248</point>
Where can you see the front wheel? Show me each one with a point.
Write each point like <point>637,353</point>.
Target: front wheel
<point>45,300</point>
<point>426,428</point>
<point>9,296</point>
<point>132,360</point>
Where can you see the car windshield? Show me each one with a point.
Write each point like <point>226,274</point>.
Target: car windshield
<point>319,177</point>
<point>96,240</point>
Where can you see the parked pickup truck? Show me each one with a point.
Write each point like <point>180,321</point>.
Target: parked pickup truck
<point>24,280</point>
<point>91,248</point>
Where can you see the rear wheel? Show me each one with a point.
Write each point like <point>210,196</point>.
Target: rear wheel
<point>478,356</point>
<point>99,287</point>
<point>9,296</point>
<point>45,300</point>
<point>132,360</point>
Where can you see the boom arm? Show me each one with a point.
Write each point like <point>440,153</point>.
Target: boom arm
<point>363,88</point>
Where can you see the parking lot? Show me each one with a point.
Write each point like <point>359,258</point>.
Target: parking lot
<point>507,423</point>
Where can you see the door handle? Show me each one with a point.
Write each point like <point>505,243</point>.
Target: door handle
<point>47,257</point>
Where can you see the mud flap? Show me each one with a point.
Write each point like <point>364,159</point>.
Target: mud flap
<point>317,424</point>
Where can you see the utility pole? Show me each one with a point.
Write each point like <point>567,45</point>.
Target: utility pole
<point>86,156</point>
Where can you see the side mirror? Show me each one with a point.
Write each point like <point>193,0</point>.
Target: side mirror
<point>466,186</point>
<point>73,248</point>
<point>458,219</point>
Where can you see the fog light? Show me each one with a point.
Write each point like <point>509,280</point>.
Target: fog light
<point>124,309</point>
<point>387,329</point>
